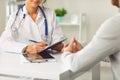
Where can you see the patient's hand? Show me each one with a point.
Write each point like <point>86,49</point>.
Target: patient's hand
<point>73,46</point>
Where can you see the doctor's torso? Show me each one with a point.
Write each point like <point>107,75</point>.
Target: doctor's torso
<point>28,29</point>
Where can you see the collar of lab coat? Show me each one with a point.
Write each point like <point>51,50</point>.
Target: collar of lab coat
<point>26,12</point>
<point>39,16</point>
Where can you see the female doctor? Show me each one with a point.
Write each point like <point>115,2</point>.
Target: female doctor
<point>28,24</point>
<point>106,42</point>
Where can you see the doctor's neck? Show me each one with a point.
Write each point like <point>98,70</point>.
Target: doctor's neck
<point>31,10</point>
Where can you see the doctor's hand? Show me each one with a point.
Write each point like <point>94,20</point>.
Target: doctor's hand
<point>73,46</point>
<point>36,47</point>
<point>33,49</point>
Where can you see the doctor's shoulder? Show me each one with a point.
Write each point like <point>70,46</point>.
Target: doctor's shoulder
<point>10,19</point>
<point>48,11</point>
<point>12,16</point>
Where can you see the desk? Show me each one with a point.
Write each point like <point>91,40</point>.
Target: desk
<point>11,65</point>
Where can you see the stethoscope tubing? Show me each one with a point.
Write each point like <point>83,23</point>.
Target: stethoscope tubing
<point>24,15</point>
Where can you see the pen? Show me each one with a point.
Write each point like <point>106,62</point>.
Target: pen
<point>33,41</point>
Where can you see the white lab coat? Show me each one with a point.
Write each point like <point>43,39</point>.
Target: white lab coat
<point>105,43</point>
<point>16,38</point>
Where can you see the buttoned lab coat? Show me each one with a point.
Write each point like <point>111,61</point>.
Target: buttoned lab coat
<point>16,36</point>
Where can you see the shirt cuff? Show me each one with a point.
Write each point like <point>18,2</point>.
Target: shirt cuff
<point>64,54</point>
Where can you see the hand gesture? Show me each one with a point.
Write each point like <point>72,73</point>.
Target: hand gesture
<point>73,46</point>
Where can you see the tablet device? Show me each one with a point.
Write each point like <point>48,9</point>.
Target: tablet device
<point>49,47</point>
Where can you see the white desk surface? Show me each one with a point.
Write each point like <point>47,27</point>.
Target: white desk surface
<point>11,64</point>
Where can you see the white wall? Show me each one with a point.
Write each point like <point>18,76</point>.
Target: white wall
<point>2,14</point>
<point>97,11</point>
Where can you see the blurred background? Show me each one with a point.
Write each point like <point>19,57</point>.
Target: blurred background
<point>82,20</point>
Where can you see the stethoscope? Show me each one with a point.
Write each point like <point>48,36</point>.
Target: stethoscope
<point>24,15</point>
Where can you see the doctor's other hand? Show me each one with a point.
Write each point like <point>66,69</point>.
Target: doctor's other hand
<point>73,46</point>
